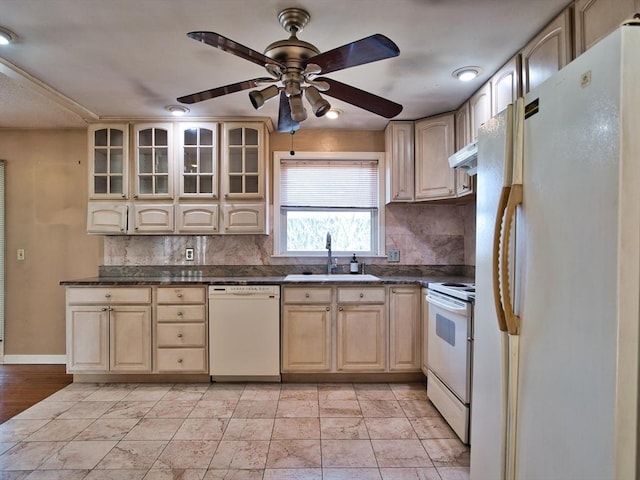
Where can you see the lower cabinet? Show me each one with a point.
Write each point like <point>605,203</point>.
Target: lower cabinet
<point>109,330</point>
<point>354,329</point>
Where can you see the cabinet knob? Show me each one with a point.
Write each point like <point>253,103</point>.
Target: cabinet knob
<point>135,196</point>
<point>179,295</point>
<point>107,295</point>
<point>361,295</point>
<point>179,335</point>
<point>104,309</point>
<point>306,295</point>
<point>328,308</point>
<point>340,308</point>
<point>464,187</point>
<point>123,195</point>
<point>179,360</point>
<point>393,290</point>
<point>180,314</point>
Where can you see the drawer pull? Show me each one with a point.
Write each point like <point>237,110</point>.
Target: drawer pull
<point>107,295</point>
<point>179,295</point>
<point>180,314</point>
<point>361,295</point>
<point>179,335</point>
<point>179,360</point>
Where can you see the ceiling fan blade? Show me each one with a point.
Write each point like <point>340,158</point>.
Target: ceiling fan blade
<point>223,43</point>
<point>360,98</point>
<point>220,91</point>
<point>285,123</point>
<point>367,50</point>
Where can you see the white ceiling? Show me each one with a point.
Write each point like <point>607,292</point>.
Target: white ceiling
<point>100,59</point>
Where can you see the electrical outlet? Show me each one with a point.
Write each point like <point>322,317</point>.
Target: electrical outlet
<point>20,255</point>
<point>393,256</point>
<point>188,254</point>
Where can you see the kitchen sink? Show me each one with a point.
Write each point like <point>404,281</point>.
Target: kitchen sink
<point>323,277</point>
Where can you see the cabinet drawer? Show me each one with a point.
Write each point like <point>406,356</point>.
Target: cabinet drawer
<point>180,313</point>
<point>361,295</point>
<point>182,360</point>
<point>101,295</point>
<point>181,335</point>
<point>307,295</point>
<point>181,295</point>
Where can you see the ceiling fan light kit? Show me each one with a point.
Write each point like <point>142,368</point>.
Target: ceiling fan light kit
<point>295,64</point>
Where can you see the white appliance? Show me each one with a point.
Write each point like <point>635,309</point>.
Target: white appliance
<point>466,158</point>
<point>449,352</point>
<point>244,332</point>
<point>555,395</point>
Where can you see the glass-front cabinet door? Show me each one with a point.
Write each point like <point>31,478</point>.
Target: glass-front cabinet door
<point>108,156</point>
<point>243,160</point>
<point>153,161</point>
<point>198,160</point>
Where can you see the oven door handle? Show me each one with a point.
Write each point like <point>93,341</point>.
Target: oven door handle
<point>447,306</point>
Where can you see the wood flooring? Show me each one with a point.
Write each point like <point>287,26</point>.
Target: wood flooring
<point>22,386</point>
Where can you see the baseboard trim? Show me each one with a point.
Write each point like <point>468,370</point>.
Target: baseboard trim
<point>35,359</point>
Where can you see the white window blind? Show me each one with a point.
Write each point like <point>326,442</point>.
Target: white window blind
<point>327,184</point>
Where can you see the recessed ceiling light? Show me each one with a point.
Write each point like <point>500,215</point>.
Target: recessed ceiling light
<point>6,36</point>
<point>176,110</point>
<point>333,113</point>
<point>465,74</point>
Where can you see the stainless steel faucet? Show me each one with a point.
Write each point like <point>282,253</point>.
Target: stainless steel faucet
<point>330,265</point>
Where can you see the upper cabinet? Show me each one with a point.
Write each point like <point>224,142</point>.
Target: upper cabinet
<point>547,52</point>
<point>399,161</point>
<point>464,183</point>
<point>594,19</point>
<point>434,143</point>
<point>479,109</point>
<point>505,85</point>
<point>109,161</point>
<point>185,178</point>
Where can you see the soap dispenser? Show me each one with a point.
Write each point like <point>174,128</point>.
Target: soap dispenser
<point>353,266</point>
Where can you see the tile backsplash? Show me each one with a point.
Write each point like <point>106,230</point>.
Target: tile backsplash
<point>424,234</point>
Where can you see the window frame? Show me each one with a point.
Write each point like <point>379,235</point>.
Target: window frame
<point>279,218</point>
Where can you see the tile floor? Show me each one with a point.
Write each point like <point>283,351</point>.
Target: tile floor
<point>232,431</point>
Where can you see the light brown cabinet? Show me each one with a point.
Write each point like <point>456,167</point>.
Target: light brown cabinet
<point>549,51</point>
<point>595,19</point>
<point>506,85</point>
<point>434,143</point>
<point>306,329</point>
<point>464,183</point>
<point>479,109</point>
<point>108,329</point>
<point>181,330</point>
<point>362,337</point>
<point>399,146</point>
<point>404,329</point>
<point>424,319</point>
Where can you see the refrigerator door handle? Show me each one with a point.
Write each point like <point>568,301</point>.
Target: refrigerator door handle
<point>498,246</point>
<point>515,199</point>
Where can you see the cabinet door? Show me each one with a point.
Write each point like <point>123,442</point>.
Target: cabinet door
<point>244,218</point>
<point>195,219</point>
<point>464,183</point>
<point>595,19</point>
<point>108,161</point>
<point>153,161</point>
<point>306,338</point>
<point>479,109</point>
<point>547,52</point>
<point>361,338</point>
<point>434,143</point>
<point>130,339</point>
<point>198,160</point>
<point>400,162</point>
<point>87,339</point>
<point>108,218</point>
<point>243,161</point>
<point>424,318</point>
<point>152,218</point>
<point>505,85</point>
<point>404,329</point>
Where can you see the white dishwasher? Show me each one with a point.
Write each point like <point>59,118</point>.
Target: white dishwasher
<point>244,332</point>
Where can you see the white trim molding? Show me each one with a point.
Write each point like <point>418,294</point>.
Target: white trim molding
<point>35,359</point>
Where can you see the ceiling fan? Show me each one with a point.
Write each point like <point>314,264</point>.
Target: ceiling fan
<point>295,66</point>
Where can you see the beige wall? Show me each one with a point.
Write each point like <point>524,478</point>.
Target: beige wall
<point>46,194</point>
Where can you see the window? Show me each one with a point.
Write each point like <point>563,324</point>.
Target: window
<point>328,192</point>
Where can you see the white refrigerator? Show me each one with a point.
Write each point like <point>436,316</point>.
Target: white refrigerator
<point>555,395</point>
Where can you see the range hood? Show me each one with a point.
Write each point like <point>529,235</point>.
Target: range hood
<point>466,158</point>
